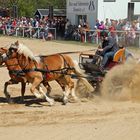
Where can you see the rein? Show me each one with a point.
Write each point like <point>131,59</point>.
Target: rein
<point>70,52</point>
<point>59,71</point>
<point>63,71</point>
<point>77,51</point>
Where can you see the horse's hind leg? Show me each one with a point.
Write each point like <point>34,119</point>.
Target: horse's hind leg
<point>63,83</point>
<point>69,91</point>
<point>68,88</point>
<point>72,89</point>
<point>48,87</point>
<point>73,94</point>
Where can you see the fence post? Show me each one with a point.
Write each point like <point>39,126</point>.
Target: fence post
<point>38,32</point>
<point>23,32</point>
<point>6,29</point>
<point>55,33</point>
<point>85,36</point>
<point>16,32</point>
<point>30,32</point>
<point>139,39</point>
<point>97,37</point>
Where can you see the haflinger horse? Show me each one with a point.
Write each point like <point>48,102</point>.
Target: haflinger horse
<point>43,69</point>
<point>13,68</point>
<point>16,74</point>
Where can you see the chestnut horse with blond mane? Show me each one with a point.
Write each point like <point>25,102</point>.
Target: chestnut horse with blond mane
<point>16,74</point>
<point>13,68</point>
<point>43,69</point>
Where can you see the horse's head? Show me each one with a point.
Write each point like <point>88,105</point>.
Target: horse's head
<point>5,54</point>
<point>12,51</point>
<point>18,50</point>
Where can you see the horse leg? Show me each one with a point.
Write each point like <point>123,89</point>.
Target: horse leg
<point>34,86</point>
<point>73,94</point>
<point>62,85</point>
<point>66,85</point>
<point>65,95</point>
<point>6,93</point>
<point>71,88</point>
<point>23,87</point>
<point>48,87</point>
<point>51,101</point>
<point>62,82</point>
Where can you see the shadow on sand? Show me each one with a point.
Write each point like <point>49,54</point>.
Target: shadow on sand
<point>30,101</point>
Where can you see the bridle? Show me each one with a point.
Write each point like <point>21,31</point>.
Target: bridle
<point>4,57</point>
<point>24,67</point>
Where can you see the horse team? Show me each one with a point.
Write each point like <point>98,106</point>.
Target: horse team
<point>24,67</point>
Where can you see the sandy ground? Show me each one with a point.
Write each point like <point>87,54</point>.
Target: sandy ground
<point>97,118</point>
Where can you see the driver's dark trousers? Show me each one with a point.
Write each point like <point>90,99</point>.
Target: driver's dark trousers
<point>107,56</point>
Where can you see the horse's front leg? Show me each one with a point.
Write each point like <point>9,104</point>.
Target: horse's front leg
<point>48,87</point>
<point>6,93</point>
<point>35,85</point>
<point>23,87</point>
<point>51,101</point>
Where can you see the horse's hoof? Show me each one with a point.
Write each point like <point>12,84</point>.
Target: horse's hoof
<point>65,102</point>
<point>51,102</point>
<point>73,101</point>
<point>21,101</point>
<point>10,101</point>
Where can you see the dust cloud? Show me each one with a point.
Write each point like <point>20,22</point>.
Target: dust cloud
<point>122,82</point>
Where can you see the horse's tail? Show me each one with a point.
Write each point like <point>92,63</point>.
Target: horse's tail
<point>82,85</point>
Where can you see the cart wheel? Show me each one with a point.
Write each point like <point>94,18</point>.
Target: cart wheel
<point>82,92</point>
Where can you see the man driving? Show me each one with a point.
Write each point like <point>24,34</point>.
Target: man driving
<point>108,48</point>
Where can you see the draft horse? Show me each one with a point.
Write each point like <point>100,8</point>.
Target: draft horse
<point>13,68</point>
<point>34,70</point>
<point>16,74</point>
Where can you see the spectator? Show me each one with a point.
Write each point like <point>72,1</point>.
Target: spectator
<point>107,23</point>
<point>97,24</point>
<point>101,26</point>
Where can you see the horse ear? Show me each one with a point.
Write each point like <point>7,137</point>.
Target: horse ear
<point>17,43</point>
<point>5,49</point>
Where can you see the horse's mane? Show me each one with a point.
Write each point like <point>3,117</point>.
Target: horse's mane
<point>22,49</point>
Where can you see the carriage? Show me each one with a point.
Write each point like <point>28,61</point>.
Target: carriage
<point>90,63</point>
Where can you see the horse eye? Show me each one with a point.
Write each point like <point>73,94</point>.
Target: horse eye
<point>11,50</point>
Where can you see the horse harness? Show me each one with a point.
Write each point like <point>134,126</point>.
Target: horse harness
<point>63,71</point>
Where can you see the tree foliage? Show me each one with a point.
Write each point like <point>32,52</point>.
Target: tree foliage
<point>28,7</point>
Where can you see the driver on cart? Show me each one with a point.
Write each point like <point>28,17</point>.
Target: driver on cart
<point>107,49</point>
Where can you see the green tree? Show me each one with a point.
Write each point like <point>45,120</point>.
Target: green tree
<point>28,7</point>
